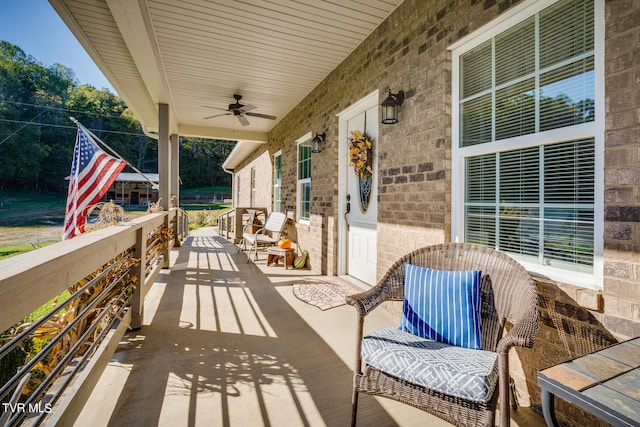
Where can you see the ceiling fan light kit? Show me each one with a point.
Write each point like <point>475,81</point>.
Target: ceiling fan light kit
<point>240,111</point>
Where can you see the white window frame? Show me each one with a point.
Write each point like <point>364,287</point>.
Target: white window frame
<point>301,182</point>
<point>277,185</point>
<point>593,129</point>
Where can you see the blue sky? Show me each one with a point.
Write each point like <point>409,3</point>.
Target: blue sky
<point>37,29</point>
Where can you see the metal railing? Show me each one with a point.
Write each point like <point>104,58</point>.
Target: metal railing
<point>107,274</point>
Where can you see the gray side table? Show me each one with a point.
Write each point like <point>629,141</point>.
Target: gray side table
<point>605,383</point>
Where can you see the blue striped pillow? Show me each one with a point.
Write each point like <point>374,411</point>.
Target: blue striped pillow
<point>442,305</point>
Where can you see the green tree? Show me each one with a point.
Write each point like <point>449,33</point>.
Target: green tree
<point>21,146</point>
<point>37,136</point>
<point>200,161</point>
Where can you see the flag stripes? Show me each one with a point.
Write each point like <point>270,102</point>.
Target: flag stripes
<point>92,173</point>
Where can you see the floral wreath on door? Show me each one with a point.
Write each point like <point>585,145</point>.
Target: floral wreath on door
<point>361,160</point>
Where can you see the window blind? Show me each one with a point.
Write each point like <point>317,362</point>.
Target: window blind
<point>304,160</point>
<point>566,31</point>
<point>515,53</point>
<point>536,76</point>
<point>535,203</point>
<point>277,183</point>
<point>569,189</point>
<point>305,203</point>
<point>304,181</point>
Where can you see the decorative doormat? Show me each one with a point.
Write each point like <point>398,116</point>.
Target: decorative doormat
<point>322,294</point>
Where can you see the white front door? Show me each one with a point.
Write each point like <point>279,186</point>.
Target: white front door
<point>359,204</point>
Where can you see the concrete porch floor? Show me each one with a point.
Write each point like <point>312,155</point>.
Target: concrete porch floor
<point>226,343</point>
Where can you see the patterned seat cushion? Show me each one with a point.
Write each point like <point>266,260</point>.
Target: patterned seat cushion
<point>461,372</point>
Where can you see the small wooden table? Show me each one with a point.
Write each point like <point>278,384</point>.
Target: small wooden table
<point>605,383</point>
<point>274,253</point>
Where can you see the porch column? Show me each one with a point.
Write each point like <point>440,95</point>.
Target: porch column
<point>164,157</point>
<point>175,168</point>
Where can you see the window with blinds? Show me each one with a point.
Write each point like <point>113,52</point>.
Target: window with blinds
<point>535,203</point>
<point>277,183</point>
<point>304,180</point>
<point>523,91</point>
<point>534,77</point>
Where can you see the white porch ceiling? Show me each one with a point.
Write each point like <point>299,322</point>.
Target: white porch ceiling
<point>195,53</point>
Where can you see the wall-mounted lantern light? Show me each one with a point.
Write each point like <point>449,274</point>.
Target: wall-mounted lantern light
<point>316,141</point>
<point>390,107</point>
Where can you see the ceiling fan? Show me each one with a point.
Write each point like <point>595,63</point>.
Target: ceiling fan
<point>240,111</point>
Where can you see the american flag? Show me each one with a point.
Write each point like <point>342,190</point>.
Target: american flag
<point>92,173</point>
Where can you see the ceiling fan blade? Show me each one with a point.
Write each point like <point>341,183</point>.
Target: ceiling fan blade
<point>243,120</point>
<point>216,115</point>
<point>262,116</point>
<point>240,111</point>
<point>215,108</point>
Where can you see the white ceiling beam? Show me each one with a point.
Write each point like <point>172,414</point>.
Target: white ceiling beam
<point>143,111</point>
<point>222,133</point>
<point>134,24</point>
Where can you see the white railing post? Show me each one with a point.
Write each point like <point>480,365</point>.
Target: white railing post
<point>238,224</point>
<point>166,249</point>
<point>137,299</point>
<point>222,224</point>
<point>177,228</point>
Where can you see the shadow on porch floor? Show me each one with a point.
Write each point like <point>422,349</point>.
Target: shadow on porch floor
<point>226,343</point>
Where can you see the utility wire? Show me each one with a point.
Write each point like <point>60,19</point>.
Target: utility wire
<point>220,141</point>
<point>30,122</point>
<point>64,127</point>
<point>21,127</point>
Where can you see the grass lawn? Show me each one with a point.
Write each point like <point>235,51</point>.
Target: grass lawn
<point>7,251</point>
<point>204,214</point>
<point>30,209</point>
<point>205,190</point>
<point>29,220</point>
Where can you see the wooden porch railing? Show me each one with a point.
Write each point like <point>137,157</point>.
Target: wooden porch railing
<point>109,272</point>
<point>230,223</point>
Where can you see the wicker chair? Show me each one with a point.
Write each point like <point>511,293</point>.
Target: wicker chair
<point>508,295</point>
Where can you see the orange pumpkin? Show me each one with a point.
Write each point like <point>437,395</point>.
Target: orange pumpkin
<point>284,243</point>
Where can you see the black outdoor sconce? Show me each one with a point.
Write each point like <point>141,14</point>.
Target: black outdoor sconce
<point>390,107</point>
<point>316,141</point>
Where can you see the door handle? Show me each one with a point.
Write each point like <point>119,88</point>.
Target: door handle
<point>346,212</point>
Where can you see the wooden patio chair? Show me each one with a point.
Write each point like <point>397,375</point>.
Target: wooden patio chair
<point>460,385</point>
<point>264,236</point>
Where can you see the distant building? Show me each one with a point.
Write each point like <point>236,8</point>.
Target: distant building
<point>133,189</point>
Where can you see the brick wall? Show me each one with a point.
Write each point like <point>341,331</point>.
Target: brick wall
<point>622,167</point>
<point>409,52</point>
<point>263,164</point>
<point>413,155</point>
